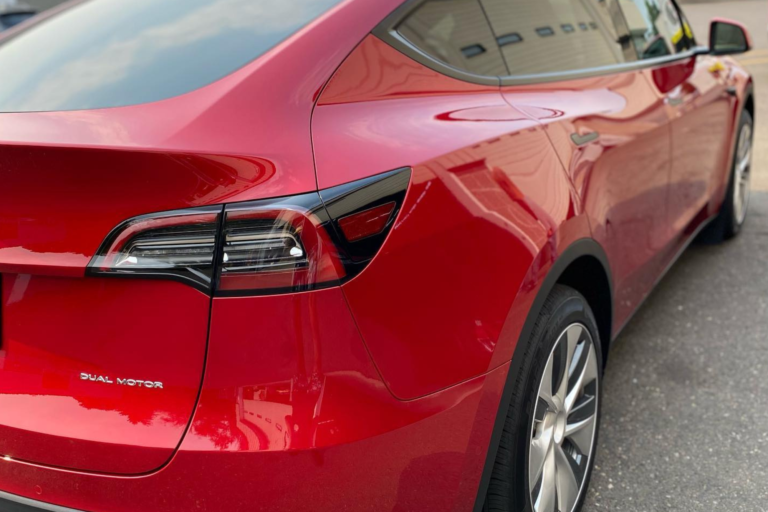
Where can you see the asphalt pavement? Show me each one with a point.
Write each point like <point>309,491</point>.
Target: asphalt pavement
<point>685,403</point>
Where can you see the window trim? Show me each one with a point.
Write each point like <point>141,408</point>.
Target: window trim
<point>387,32</point>
<point>623,67</point>
<point>683,21</point>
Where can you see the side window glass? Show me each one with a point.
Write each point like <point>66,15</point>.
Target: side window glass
<point>554,36</point>
<point>455,32</point>
<point>688,31</point>
<point>655,28</point>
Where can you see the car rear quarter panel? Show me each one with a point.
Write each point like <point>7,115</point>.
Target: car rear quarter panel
<point>488,195</point>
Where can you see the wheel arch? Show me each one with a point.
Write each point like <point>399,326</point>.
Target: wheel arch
<point>749,100</point>
<point>588,274</point>
<point>584,266</point>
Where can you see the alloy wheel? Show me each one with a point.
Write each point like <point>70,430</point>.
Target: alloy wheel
<point>742,174</point>
<point>564,423</point>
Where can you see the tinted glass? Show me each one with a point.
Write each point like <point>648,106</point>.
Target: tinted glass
<point>688,30</point>
<point>655,28</point>
<point>12,19</point>
<point>455,32</point>
<point>549,41</point>
<point>108,53</point>
<point>728,38</point>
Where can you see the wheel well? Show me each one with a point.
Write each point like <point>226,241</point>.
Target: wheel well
<point>588,276</point>
<point>749,106</point>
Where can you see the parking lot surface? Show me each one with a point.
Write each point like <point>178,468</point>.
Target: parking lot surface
<point>685,404</point>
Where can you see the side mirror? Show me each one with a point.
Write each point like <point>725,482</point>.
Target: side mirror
<point>728,38</point>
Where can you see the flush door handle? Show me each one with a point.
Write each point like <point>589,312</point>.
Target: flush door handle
<point>580,139</point>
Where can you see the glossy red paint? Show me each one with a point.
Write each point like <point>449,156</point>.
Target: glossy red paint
<point>700,151</point>
<point>643,188</point>
<point>364,395</point>
<point>57,229</point>
<point>407,460</point>
<point>478,211</point>
<point>194,149</point>
<point>69,179</point>
<point>621,176</point>
<point>55,329</point>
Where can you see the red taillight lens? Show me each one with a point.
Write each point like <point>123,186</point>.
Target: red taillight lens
<point>367,223</point>
<point>279,245</point>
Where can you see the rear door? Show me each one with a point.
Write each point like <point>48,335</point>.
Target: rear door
<point>701,110</point>
<point>573,67</point>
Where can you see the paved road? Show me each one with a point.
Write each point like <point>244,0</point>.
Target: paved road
<point>685,412</point>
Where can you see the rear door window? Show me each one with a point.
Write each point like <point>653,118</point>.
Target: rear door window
<point>554,36</point>
<point>111,53</point>
<point>455,32</point>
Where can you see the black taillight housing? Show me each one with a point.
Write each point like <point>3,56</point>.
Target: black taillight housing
<point>287,244</point>
<point>179,245</point>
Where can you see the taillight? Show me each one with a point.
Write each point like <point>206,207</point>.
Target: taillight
<point>178,245</point>
<point>278,245</point>
<point>295,243</point>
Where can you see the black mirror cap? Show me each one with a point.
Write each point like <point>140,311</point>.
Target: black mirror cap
<point>728,37</point>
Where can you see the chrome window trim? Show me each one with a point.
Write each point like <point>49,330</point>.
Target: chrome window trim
<point>387,32</point>
<point>599,71</point>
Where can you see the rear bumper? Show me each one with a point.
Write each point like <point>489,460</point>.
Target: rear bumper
<point>293,415</point>
<point>431,463</point>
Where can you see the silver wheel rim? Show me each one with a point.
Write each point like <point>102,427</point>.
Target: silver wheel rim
<point>742,174</point>
<point>564,423</point>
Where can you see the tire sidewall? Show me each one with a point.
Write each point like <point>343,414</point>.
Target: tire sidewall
<point>572,310</point>
<point>733,227</point>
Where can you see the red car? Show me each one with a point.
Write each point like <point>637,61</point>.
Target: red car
<point>341,255</point>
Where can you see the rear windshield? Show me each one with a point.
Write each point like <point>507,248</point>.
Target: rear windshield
<point>112,53</point>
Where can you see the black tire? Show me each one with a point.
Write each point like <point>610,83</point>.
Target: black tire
<point>727,225</point>
<point>508,490</point>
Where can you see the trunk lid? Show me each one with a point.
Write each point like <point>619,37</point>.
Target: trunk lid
<point>102,374</point>
<point>72,169</point>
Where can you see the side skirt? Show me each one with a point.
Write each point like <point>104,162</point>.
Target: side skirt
<point>663,274</point>
<point>13,503</point>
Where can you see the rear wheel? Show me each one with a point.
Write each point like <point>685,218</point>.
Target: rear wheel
<point>733,212</point>
<point>547,447</point>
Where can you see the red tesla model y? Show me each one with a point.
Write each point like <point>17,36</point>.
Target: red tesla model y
<point>341,254</point>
